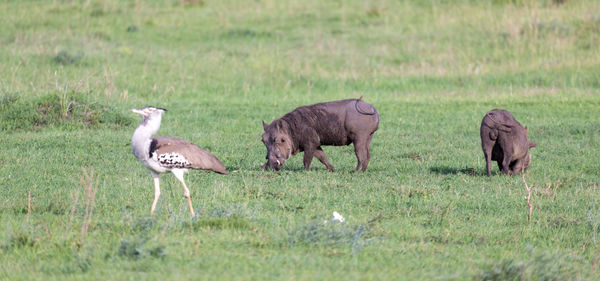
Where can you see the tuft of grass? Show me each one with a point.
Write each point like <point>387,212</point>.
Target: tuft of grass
<point>139,248</point>
<point>192,3</point>
<point>222,223</point>
<point>540,266</point>
<point>28,236</point>
<point>593,221</point>
<point>516,2</point>
<point>65,57</point>
<point>132,28</point>
<point>53,110</point>
<point>225,216</point>
<point>504,270</point>
<point>144,224</point>
<point>22,239</point>
<point>319,233</point>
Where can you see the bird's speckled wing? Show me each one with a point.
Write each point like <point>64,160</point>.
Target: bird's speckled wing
<point>177,153</point>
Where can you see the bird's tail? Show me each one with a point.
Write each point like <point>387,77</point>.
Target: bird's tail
<point>216,166</point>
<point>220,169</point>
<point>202,159</point>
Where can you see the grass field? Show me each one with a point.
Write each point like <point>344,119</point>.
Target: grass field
<point>424,210</point>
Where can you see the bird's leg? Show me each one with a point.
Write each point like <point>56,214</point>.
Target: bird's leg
<point>156,191</point>
<point>186,194</point>
<point>178,173</point>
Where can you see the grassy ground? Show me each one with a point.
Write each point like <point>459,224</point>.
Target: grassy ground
<point>424,210</point>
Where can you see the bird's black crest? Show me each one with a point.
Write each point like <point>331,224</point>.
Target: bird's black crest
<point>150,106</point>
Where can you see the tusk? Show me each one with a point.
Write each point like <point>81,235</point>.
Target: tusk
<point>278,163</point>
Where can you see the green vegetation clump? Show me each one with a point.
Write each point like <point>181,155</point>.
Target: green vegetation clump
<point>320,233</point>
<point>537,267</point>
<point>53,110</point>
<point>66,58</point>
<point>138,247</point>
<point>27,236</point>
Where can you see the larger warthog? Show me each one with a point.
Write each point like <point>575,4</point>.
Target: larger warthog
<point>307,128</point>
<point>504,140</point>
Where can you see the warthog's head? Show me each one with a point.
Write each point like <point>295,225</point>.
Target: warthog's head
<point>279,145</point>
<point>524,164</point>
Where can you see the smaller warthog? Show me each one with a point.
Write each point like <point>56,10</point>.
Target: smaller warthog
<point>307,128</point>
<point>505,140</point>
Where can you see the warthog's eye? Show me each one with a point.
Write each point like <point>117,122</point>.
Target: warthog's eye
<point>282,140</point>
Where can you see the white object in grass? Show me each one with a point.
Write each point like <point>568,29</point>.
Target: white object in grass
<point>337,217</point>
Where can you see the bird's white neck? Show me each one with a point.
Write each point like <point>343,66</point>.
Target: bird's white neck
<point>142,137</point>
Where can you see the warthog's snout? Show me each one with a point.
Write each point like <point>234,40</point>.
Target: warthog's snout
<point>275,165</point>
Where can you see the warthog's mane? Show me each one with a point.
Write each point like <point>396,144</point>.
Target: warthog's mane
<point>294,122</point>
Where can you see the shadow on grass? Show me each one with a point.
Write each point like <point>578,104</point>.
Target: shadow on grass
<point>322,168</point>
<point>233,222</point>
<point>300,169</point>
<point>445,170</point>
<point>340,171</point>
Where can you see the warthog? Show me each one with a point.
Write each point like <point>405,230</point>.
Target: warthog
<point>505,140</point>
<point>307,128</point>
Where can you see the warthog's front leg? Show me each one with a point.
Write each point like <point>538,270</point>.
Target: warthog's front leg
<point>487,152</point>
<point>308,155</point>
<point>320,154</point>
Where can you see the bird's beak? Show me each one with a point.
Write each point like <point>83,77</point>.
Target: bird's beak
<point>138,111</point>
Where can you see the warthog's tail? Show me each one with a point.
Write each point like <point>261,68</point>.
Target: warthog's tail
<point>364,108</point>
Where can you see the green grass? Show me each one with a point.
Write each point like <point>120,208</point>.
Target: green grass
<point>424,210</point>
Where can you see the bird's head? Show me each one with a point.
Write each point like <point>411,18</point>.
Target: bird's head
<point>149,111</point>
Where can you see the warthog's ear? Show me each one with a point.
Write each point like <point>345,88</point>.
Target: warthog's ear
<point>265,125</point>
<point>532,144</point>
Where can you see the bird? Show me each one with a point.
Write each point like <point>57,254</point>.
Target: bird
<point>165,154</point>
